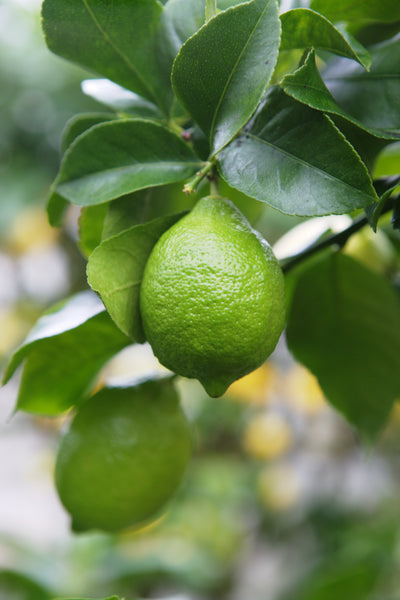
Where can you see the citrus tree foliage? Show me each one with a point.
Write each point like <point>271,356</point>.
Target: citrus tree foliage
<point>289,108</point>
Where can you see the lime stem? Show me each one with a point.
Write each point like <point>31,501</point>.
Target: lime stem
<point>214,187</point>
<point>337,239</point>
<point>189,187</point>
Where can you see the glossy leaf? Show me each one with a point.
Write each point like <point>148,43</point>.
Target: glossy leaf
<point>116,158</point>
<point>221,72</point>
<point>374,97</point>
<point>343,325</point>
<point>63,353</point>
<point>81,123</point>
<point>115,271</point>
<point>348,10</point>
<point>296,160</point>
<point>120,99</point>
<point>120,44</point>
<point>307,85</point>
<point>304,28</point>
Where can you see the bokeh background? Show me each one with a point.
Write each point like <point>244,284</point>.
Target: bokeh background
<point>281,501</point>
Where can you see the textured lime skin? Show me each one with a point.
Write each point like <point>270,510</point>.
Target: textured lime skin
<point>212,297</point>
<point>123,456</point>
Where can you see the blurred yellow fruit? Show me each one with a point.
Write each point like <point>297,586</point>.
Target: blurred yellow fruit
<point>31,230</point>
<point>304,392</point>
<point>13,328</point>
<point>279,487</point>
<point>256,387</point>
<point>267,436</point>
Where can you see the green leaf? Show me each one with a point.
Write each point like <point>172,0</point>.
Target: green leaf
<point>146,205</point>
<point>109,598</point>
<point>355,579</point>
<point>306,85</point>
<point>63,353</point>
<point>343,325</point>
<point>296,160</point>
<point>303,28</point>
<point>113,159</point>
<point>79,124</point>
<point>56,207</point>
<point>115,270</point>
<point>222,72</point>
<point>374,212</point>
<point>118,41</point>
<point>182,18</point>
<point>348,10</point>
<point>374,97</point>
<point>18,586</point>
<point>91,225</point>
<point>97,223</point>
<point>120,99</point>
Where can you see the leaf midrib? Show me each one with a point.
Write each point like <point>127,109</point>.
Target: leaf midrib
<point>129,167</point>
<point>125,59</point>
<point>233,70</point>
<point>309,165</point>
<point>341,113</point>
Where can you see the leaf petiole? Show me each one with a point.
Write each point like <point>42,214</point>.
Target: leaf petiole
<point>190,187</point>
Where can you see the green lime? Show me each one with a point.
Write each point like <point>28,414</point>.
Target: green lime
<point>123,456</point>
<point>212,297</point>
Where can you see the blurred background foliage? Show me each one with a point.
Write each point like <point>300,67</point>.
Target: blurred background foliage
<point>281,501</point>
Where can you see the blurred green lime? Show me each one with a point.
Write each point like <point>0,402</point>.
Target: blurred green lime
<point>123,456</point>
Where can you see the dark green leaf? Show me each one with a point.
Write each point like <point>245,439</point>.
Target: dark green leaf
<point>374,97</point>
<point>63,354</point>
<point>348,10</point>
<point>366,145</point>
<point>91,225</point>
<point>113,159</point>
<point>115,271</point>
<point>304,28</point>
<point>118,41</point>
<point>221,72</point>
<point>307,86</point>
<point>396,214</point>
<point>295,159</point>
<point>120,99</point>
<point>343,325</point>
<point>81,123</point>
<point>374,212</point>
